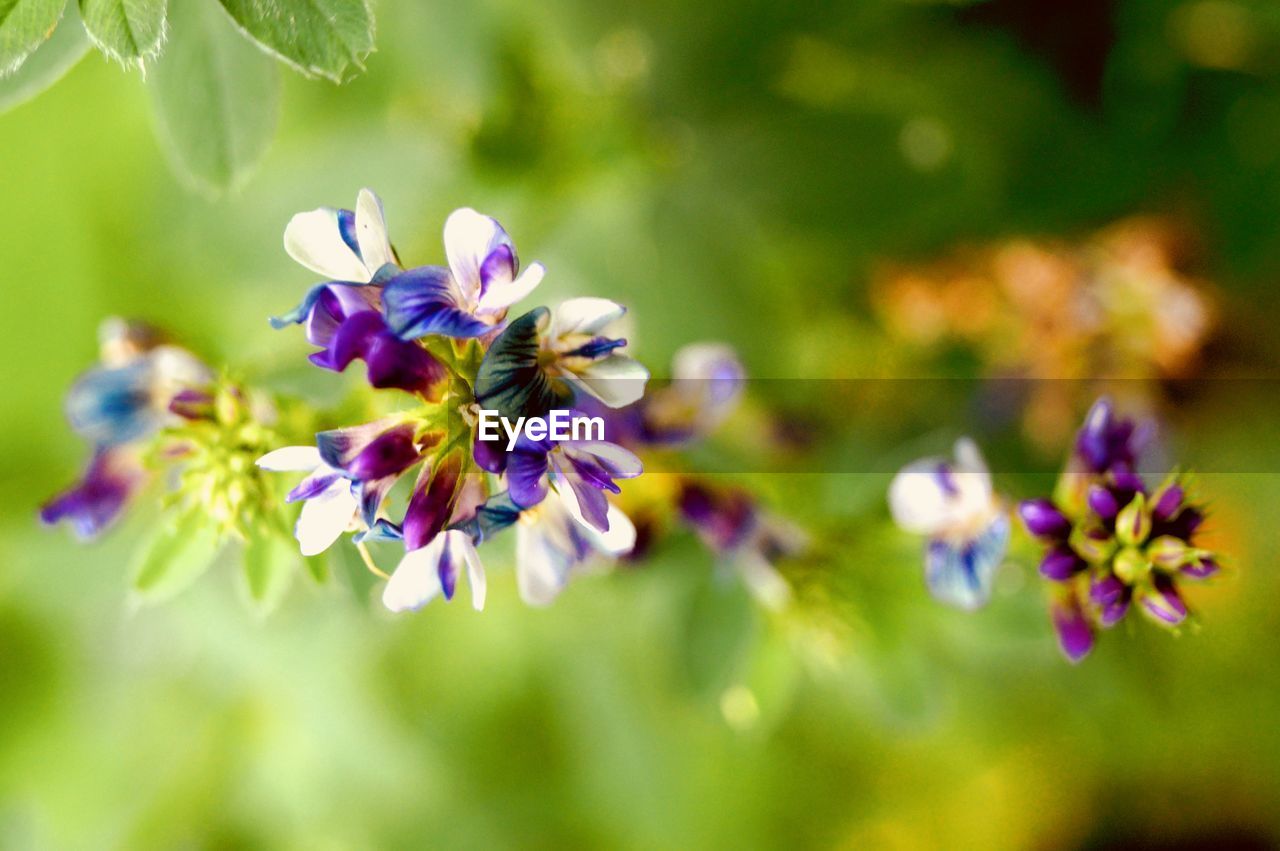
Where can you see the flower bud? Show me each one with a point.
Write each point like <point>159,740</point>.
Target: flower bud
<point>1201,566</point>
<point>1093,545</point>
<point>1168,552</point>
<point>1103,503</point>
<point>1075,634</point>
<point>1133,523</point>
<point>1167,502</point>
<point>1111,597</point>
<point>1130,565</point>
<point>1060,564</point>
<point>1043,519</point>
<point>1161,602</point>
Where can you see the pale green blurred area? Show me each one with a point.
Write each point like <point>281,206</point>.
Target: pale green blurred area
<point>729,172</point>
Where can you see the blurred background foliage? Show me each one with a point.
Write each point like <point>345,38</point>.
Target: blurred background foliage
<point>738,172</point>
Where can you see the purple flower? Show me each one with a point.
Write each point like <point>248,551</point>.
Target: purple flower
<point>471,296</point>
<point>346,322</point>
<point>553,539</point>
<point>1106,442</point>
<point>1060,564</point>
<point>373,455</point>
<point>588,467</point>
<point>331,501</point>
<point>342,245</point>
<point>94,503</point>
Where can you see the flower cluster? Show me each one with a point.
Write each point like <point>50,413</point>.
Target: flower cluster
<point>117,407</point>
<point>1112,541</point>
<point>441,335</point>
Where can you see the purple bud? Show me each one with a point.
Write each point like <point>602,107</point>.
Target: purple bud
<point>1111,596</point>
<point>1201,568</point>
<point>388,454</point>
<point>1162,603</point>
<point>1128,484</point>
<point>1043,519</point>
<point>1167,505</point>
<point>1075,635</point>
<point>192,404</point>
<point>1060,564</point>
<point>1103,503</point>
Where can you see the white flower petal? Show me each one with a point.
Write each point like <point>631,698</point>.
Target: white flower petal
<point>616,380</point>
<point>587,315</point>
<point>416,580</point>
<point>325,517</point>
<point>468,238</point>
<point>315,240</point>
<point>460,546</point>
<point>619,540</point>
<point>291,459</point>
<point>918,499</point>
<point>371,232</point>
<point>627,464</point>
<point>542,568</point>
<point>501,296</point>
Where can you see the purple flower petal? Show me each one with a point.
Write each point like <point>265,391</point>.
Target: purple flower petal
<point>498,268</point>
<point>313,485</point>
<point>527,477</point>
<point>93,503</point>
<point>423,301</point>
<point>389,454</point>
<point>432,501</point>
<point>490,456</point>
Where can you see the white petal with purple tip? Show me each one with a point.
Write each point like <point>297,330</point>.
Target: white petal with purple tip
<point>501,296</point>
<point>469,237</point>
<point>314,239</point>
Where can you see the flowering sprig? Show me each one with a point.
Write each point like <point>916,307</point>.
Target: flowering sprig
<point>1112,541</point>
<point>440,334</point>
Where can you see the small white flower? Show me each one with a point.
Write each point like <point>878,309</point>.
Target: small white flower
<point>426,573</point>
<point>331,506</point>
<point>954,506</point>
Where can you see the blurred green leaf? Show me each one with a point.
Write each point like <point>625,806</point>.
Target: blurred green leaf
<point>269,565</point>
<point>184,548</point>
<point>322,37</point>
<point>51,61</point>
<point>216,98</point>
<point>125,30</point>
<point>24,25</point>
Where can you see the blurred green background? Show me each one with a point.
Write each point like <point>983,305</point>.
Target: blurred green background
<point>731,171</point>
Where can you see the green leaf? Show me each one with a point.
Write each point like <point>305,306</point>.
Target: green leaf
<point>171,560</point>
<point>126,30</point>
<point>320,37</point>
<point>48,64</point>
<point>24,26</point>
<point>269,564</point>
<point>216,98</point>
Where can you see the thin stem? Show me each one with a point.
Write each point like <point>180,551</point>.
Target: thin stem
<point>369,562</point>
